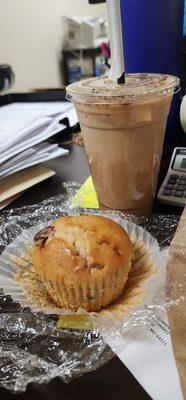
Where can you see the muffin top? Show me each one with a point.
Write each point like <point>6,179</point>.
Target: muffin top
<point>78,246</point>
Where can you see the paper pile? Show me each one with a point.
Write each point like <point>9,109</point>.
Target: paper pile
<point>24,131</point>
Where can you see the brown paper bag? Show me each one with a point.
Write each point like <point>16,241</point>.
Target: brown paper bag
<point>176,273</point>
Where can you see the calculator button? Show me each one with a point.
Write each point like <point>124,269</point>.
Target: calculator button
<point>167,192</point>
<point>169,186</point>
<point>181,187</point>
<point>181,182</point>
<point>178,193</point>
<point>174,176</point>
<point>183,177</point>
<point>172,181</point>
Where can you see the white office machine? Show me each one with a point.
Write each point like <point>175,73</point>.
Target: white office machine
<point>84,32</point>
<point>173,188</point>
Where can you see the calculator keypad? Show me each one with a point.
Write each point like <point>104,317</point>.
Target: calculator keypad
<point>175,186</point>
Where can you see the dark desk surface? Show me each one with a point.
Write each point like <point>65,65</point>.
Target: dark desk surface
<point>75,168</point>
<point>113,380</point>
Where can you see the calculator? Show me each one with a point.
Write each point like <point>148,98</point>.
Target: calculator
<point>173,188</point>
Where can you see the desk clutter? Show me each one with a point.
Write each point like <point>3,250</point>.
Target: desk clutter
<point>26,130</point>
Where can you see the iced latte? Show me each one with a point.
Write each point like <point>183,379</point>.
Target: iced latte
<point>123,128</point>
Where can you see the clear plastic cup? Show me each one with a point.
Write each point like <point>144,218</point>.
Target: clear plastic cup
<point>123,129</point>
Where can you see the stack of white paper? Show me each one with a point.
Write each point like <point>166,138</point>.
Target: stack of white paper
<point>24,130</point>
<point>23,126</point>
<point>32,156</point>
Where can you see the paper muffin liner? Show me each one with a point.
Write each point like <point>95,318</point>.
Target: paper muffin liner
<point>92,295</point>
<point>143,285</point>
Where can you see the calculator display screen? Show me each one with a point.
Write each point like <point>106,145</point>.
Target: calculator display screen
<point>183,163</point>
<point>179,162</point>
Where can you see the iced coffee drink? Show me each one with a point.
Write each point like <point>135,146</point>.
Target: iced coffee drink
<point>123,128</point>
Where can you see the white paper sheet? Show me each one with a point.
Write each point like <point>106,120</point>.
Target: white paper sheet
<point>23,129</point>
<point>148,354</point>
<point>47,109</point>
<point>20,121</point>
<point>41,153</point>
<point>18,157</point>
<point>19,115</point>
<point>71,115</point>
<point>38,137</point>
<point>9,136</point>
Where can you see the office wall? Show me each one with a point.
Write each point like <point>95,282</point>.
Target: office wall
<point>31,38</point>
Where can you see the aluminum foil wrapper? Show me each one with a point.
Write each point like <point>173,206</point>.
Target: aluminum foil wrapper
<point>32,348</point>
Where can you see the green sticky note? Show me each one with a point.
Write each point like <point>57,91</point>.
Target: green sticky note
<point>81,322</point>
<point>86,196</point>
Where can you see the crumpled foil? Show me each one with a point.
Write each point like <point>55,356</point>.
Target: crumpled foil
<point>32,349</point>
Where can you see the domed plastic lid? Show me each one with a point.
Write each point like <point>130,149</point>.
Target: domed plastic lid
<point>136,87</point>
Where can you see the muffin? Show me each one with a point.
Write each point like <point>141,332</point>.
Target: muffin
<point>83,261</point>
